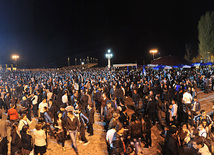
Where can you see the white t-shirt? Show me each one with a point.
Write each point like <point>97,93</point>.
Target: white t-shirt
<point>187,98</point>
<point>204,150</point>
<point>109,135</point>
<point>40,137</point>
<point>174,110</point>
<point>64,99</point>
<point>41,107</point>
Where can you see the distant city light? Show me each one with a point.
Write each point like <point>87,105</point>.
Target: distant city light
<point>82,63</point>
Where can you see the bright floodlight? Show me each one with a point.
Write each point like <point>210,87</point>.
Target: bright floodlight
<point>153,51</point>
<point>15,57</point>
<point>109,55</point>
<point>82,63</point>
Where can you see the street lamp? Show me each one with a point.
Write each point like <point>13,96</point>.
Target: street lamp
<point>109,55</point>
<point>68,61</point>
<point>75,61</point>
<point>15,57</point>
<point>153,51</point>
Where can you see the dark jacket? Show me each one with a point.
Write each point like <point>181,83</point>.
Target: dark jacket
<point>26,141</point>
<point>135,129</point>
<point>171,145</point>
<point>117,143</point>
<point>16,143</point>
<point>104,101</point>
<point>91,116</point>
<point>124,119</point>
<point>84,100</point>
<point>3,146</point>
<point>72,125</point>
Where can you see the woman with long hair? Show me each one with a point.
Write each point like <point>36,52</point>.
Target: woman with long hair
<point>60,126</point>
<point>26,140</point>
<point>16,143</point>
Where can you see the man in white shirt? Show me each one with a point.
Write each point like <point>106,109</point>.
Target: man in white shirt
<point>49,95</point>
<point>187,100</point>
<point>174,111</point>
<point>187,97</point>
<point>65,98</point>
<point>109,136</point>
<point>41,108</point>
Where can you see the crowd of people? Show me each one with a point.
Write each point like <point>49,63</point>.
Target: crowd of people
<point>63,104</point>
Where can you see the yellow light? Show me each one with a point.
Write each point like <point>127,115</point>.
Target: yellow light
<point>15,56</point>
<point>153,51</point>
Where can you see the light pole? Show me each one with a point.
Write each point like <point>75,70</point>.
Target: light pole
<point>153,51</point>
<point>109,55</point>
<point>208,56</point>
<point>15,58</point>
<point>68,61</point>
<point>75,61</point>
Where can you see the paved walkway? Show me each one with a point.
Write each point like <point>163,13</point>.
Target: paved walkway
<point>97,145</point>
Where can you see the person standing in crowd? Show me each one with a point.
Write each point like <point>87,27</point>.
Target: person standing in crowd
<point>60,126</point>
<point>42,105</point>
<point>3,135</point>
<point>104,100</point>
<point>173,113</point>
<point>84,101</point>
<point>118,145</point>
<point>48,121</point>
<point>91,120</point>
<point>12,114</point>
<point>109,137</point>
<point>40,140</point>
<point>172,142</point>
<point>136,98</point>
<point>147,125</point>
<point>135,132</point>
<point>187,100</point>
<point>7,101</point>
<point>72,126</point>
<point>65,98</point>
<point>26,140</point>
<point>108,113</point>
<point>35,104</point>
<point>124,118</point>
<point>49,95</point>
<point>16,144</point>
<point>24,121</point>
<point>152,107</point>
<point>83,122</point>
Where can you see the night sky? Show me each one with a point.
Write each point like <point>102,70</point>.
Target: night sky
<point>45,32</point>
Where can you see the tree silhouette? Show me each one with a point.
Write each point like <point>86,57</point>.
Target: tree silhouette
<point>206,35</point>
